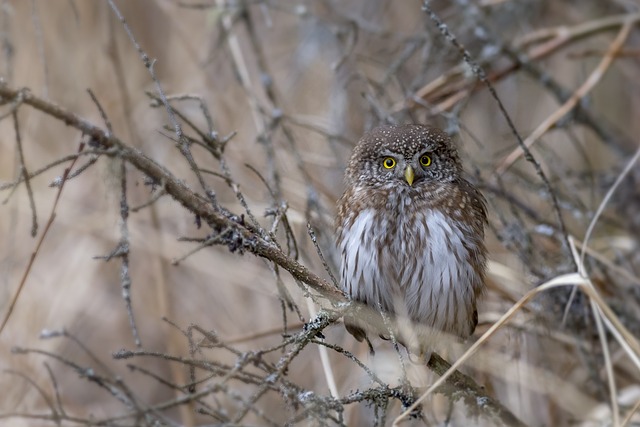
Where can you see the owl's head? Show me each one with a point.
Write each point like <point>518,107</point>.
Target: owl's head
<point>409,155</point>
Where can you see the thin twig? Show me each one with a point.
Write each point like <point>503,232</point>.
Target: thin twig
<point>34,254</point>
<point>25,175</point>
<point>605,201</point>
<point>125,245</point>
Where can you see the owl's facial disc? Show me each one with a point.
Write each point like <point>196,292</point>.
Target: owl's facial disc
<point>409,175</point>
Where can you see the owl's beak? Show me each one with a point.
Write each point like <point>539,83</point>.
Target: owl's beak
<point>408,175</point>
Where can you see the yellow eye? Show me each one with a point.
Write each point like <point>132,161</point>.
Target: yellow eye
<point>425,160</point>
<point>389,163</point>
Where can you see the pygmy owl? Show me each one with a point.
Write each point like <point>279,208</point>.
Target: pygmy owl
<point>410,230</point>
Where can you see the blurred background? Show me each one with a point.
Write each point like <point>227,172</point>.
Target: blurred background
<point>294,84</point>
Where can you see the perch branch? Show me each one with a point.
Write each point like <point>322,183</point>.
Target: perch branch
<point>179,191</point>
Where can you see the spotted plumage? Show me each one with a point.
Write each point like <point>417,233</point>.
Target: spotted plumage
<point>410,231</point>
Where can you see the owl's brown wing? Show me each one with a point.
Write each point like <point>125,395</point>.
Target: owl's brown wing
<point>478,215</point>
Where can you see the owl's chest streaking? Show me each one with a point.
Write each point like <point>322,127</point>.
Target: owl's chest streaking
<point>412,258</point>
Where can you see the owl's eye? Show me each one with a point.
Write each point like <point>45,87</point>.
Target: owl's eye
<point>425,160</point>
<point>389,162</point>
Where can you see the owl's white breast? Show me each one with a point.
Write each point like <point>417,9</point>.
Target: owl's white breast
<point>413,264</point>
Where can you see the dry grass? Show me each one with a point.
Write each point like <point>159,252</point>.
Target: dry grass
<point>230,338</point>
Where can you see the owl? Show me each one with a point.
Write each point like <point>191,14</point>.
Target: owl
<point>410,233</point>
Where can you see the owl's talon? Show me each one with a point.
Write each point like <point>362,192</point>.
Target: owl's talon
<point>371,350</point>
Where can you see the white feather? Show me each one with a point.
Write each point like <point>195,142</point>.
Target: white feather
<point>431,287</point>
